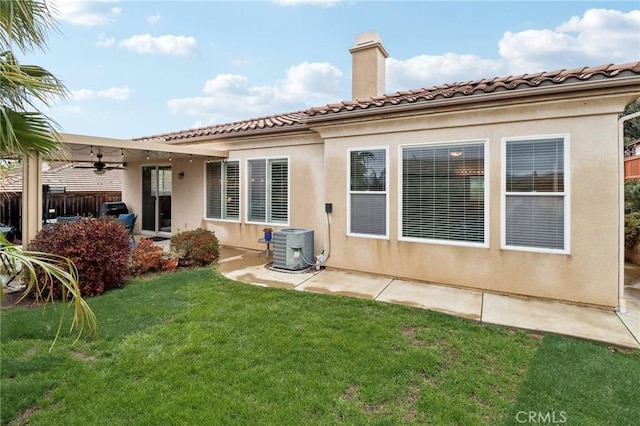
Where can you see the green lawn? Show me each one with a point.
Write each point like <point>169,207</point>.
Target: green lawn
<point>194,348</point>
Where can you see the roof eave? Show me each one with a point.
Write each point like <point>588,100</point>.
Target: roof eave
<point>238,134</point>
<point>476,98</point>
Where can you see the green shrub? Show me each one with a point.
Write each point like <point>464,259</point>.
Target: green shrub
<point>198,247</point>
<point>99,248</point>
<point>631,196</point>
<point>145,257</point>
<point>631,229</point>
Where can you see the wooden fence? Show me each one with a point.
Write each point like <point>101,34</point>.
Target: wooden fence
<point>67,204</point>
<point>632,168</point>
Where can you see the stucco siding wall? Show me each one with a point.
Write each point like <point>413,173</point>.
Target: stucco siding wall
<point>588,274</point>
<point>306,193</point>
<point>187,194</point>
<point>132,192</point>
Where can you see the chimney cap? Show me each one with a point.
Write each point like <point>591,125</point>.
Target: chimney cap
<point>367,40</point>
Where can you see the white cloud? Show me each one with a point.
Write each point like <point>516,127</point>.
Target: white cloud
<point>423,71</point>
<point>153,19</point>
<point>86,13</point>
<point>104,41</point>
<point>231,97</point>
<point>322,3</point>
<point>600,36</point>
<point>113,93</point>
<point>166,44</point>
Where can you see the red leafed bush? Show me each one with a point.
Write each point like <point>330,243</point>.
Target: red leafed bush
<point>197,248</point>
<point>99,248</point>
<point>145,257</point>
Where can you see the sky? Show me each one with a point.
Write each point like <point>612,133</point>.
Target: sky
<point>142,68</point>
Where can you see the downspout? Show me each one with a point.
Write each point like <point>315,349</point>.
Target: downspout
<point>622,304</point>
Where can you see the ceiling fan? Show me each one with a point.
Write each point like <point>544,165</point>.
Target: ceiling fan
<point>100,167</point>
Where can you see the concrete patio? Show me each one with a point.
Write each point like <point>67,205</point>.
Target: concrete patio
<point>545,316</point>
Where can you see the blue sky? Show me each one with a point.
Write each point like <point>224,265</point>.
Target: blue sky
<point>142,68</point>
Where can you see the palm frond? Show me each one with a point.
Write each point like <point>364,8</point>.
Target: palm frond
<point>27,132</point>
<point>26,24</point>
<point>55,268</point>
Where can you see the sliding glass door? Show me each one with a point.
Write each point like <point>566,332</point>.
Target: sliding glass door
<point>156,199</point>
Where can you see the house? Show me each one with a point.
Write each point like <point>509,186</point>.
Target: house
<point>508,185</point>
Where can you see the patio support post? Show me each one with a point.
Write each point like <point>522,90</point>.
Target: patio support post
<point>31,196</point>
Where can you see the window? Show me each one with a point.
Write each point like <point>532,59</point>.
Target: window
<point>368,192</point>
<point>268,190</point>
<point>223,190</point>
<point>443,192</point>
<point>535,201</point>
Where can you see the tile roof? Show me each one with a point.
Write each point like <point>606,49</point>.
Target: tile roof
<point>288,120</point>
<point>73,180</point>
<point>483,86</point>
<point>298,120</point>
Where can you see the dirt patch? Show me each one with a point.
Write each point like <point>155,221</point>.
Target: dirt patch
<point>23,418</point>
<point>9,300</point>
<point>82,356</point>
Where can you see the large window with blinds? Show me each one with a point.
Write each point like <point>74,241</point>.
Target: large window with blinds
<point>443,193</point>
<point>223,190</point>
<point>535,194</point>
<point>268,190</point>
<point>368,192</point>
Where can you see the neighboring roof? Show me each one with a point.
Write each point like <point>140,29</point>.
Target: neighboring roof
<point>513,84</point>
<point>73,180</point>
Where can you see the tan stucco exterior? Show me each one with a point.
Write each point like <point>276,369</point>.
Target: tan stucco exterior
<point>587,274</point>
<point>368,66</point>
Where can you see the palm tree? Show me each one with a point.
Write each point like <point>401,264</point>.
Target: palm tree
<point>26,131</point>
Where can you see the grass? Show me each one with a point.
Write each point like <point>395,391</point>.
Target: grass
<point>195,348</point>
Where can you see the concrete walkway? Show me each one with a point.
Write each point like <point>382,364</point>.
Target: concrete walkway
<point>587,323</point>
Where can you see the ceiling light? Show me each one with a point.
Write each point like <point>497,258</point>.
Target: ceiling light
<point>455,153</point>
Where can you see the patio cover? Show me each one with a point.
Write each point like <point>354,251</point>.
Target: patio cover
<point>83,148</point>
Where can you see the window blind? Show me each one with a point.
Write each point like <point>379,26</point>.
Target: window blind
<point>214,191</point>
<point>443,192</point>
<point>535,193</point>
<point>257,190</point>
<point>279,196</point>
<point>368,191</point>
<point>232,190</point>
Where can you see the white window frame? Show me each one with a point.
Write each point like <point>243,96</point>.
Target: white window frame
<point>385,192</point>
<point>268,161</point>
<point>223,172</point>
<point>566,194</point>
<point>486,221</point>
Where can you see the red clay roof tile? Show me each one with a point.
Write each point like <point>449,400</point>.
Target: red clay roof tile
<point>297,120</point>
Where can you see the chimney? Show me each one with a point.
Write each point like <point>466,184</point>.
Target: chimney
<point>367,78</point>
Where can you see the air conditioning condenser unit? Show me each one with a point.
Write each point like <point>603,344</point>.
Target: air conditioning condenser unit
<point>292,249</point>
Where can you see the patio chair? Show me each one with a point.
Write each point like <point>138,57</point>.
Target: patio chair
<point>129,220</point>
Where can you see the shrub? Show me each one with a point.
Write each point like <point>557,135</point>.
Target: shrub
<point>99,248</point>
<point>145,257</point>
<point>198,247</point>
<point>631,229</point>
<point>631,196</point>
